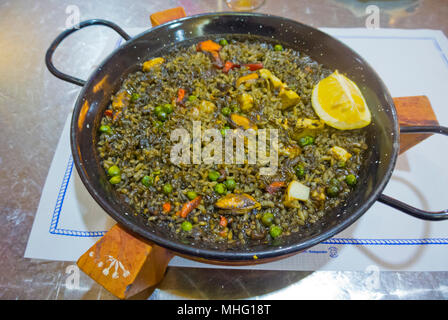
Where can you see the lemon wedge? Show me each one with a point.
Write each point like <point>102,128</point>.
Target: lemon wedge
<point>338,102</point>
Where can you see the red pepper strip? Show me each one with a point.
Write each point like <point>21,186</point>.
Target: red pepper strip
<point>189,206</point>
<point>254,66</point>
<point>108,113</point>
<point>229,66</point>
<point>180,96</point>
<point>275,186</point>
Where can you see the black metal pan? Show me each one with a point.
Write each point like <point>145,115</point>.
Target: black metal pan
<point>95,96</point>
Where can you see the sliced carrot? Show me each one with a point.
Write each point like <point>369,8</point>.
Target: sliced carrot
<point>108,113</point>
<point>189,206</point>
<point>223,221</point>
<point>166,207</point>
<point>275,186</point>
<point>180,96</point>
<point>208,46</point>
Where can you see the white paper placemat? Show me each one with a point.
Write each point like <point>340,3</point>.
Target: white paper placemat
<point>411,62</point>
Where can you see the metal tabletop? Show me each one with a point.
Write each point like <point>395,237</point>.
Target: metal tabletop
<point>34,106</point>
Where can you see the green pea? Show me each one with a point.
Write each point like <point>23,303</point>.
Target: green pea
<point>224,130</point>
<point>275,231</point>
<point>230,184</point>
<point>162,116</point>
<point>115,179</point>
<point>113,171</point>
<point>106,129</point>
<point>220,188</point>
<point>186,226</point>
<point>351,180</point>
<point>192,98</point>
<point>213,175</point>
<point>168,108</point>
<point>158,109</point>
<point>306,141</point>
<point>267,219</point>
<point>148,181</point>
<point>300,171</point>
<point>167,188</point>
<point>332,191</point>
<point>226,111</point>
<point>135,96</point>
<point>191,195</point>
<point>278,47</point>
<point>223,42</point>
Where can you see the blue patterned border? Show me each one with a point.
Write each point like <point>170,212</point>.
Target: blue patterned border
<point>333,241</point>
<point>57,209</point>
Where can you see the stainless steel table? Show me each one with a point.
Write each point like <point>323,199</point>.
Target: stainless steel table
<point>34,106</point>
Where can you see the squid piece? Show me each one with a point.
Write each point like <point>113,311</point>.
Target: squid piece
<point>148,65</point>
<point>238,121</point>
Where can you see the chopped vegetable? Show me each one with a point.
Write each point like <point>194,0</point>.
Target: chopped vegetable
<point>166,207</point>
<point>306,141</point>
<point>229,66</point>
<point>186,226</point>
<point>296,191</point>
<point>148,65</point>
<point>108,113</point>
<point>254,66</point>
<point>340,153</point>
<point>106,129</point>
<point>299,170</point>
<point>275,186</point>
<point>351,180</point>
<point>223,42</point>
<point>135,96</point>
<point>220,188</point>
<point>226,111</point>
<point>192,98</point>
<point>230,184</point>
<point>180,96</point>
<point>246,101</point>
<point>113,171</point>
<point>276,82</point>
<point>162,116</point>
<point>278,47</point>
<point>168,108</point>
<point>115,179</point>
<point>223,221</point>
<point>267,219</point>
<point>332,191</point>
<point>275,231</point>
<point>191,195</point>
<point>247,77</point>
<point>238,203</point>
<point>148,181</point>
<point>208,46</point>
<point>167,188</point>
<point>189,206</point>
<point>213,175</point>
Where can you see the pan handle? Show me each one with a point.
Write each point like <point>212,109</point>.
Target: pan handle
<point>66,33</point>
<point>415,212</point>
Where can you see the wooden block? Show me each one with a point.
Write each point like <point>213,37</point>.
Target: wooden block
<point>414,111</point>
<point>167,15</point>
<point>124,264</point>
